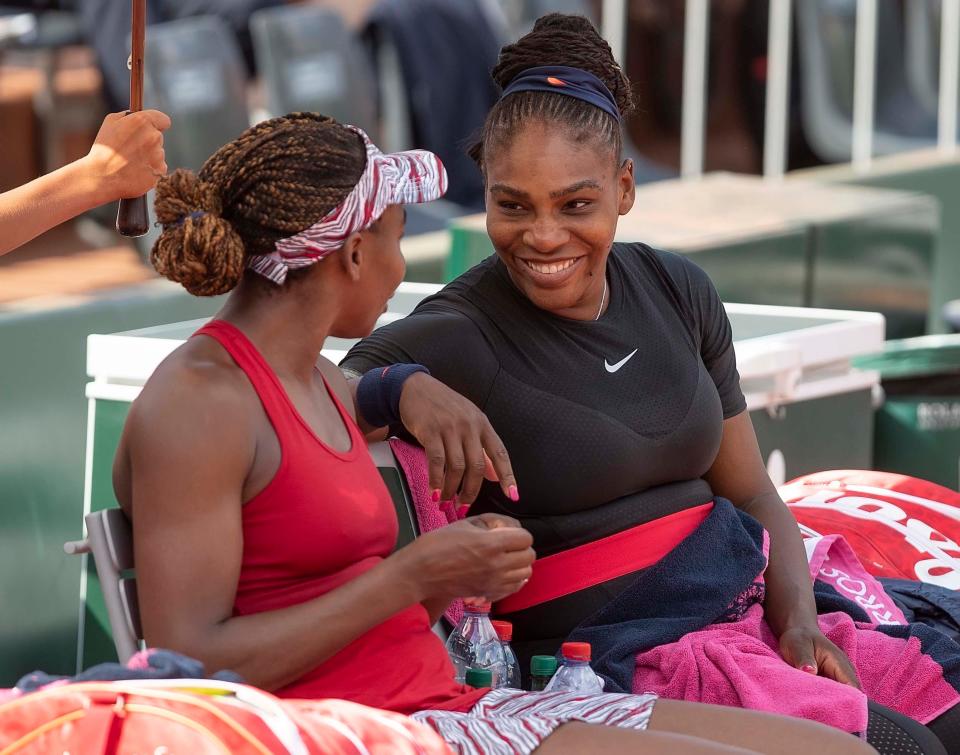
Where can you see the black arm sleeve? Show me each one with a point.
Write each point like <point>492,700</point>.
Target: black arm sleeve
<point>716,346</point>
<point>712,327</point>
<point>447,343</point>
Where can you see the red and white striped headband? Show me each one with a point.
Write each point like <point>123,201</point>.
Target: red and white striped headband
<point>410,177</point>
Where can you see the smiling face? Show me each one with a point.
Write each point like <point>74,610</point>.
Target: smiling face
<point>552,208</point>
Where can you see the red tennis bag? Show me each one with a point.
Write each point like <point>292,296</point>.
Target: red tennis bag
<point>199,717</point>
<point>898,526</point>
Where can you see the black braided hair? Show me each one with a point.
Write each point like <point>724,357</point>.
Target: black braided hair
<point>557,39</point>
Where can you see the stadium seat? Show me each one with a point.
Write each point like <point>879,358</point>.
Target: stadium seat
<point>922,51</point>
<point>520,14</point>
<point>194,72</point>
<point>45,33</point>
<point>310,62</point>
<point>826,33</point>
<point>951,315</point>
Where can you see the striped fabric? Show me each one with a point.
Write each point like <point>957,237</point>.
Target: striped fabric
<point>410,177</point>
<point>513,722</point>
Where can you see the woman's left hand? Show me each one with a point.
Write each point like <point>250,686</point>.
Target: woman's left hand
<point>807,648</point>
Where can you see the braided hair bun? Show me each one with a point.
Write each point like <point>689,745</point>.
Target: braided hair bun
<point>557,39</point>
<point>198,248</point>
<point>272,182</point>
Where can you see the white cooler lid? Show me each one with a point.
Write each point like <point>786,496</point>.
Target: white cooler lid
<point>784,354</point>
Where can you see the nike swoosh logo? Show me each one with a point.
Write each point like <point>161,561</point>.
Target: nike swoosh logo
<point>618,365</point>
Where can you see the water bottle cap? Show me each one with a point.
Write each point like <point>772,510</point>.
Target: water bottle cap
<point>504,630</point>
<point>543,665</point>
<point>576,651</point>
<point>479,677</point>
<point>476,606</point>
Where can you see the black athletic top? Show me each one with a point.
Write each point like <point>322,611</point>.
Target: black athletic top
<point>609,424</point>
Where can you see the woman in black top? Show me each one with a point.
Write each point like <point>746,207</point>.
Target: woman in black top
<point>607,369</point>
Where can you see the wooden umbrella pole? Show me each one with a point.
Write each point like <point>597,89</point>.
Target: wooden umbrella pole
<point>132,216</point>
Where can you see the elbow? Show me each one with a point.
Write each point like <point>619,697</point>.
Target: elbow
<point>189,644</point>
<point>196,644</point>
<point>761,503</point>
<point>257,668</point>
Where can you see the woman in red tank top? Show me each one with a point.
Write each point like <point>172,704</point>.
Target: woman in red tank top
<point>263,533</point>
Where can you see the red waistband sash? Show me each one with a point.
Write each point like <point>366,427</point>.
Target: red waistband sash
<point>604,559</point>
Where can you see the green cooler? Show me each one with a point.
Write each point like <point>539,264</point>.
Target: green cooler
<point>918,425</point>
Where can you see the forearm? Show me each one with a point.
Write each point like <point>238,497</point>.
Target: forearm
<point>275,648</point>
<point>789,591</point>
<point>436,607</point>
<point>31,209</point>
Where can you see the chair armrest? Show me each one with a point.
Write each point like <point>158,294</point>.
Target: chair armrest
<point>76,547</point>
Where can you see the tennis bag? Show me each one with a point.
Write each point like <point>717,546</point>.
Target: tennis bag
<point>199,717</point>
<point>899,526</point>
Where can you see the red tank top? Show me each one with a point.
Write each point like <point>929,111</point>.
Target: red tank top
<point>325,518</point>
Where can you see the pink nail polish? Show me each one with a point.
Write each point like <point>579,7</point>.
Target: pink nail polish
<point>435,496</point>
<point>513,493</point>
<point>809,669</point>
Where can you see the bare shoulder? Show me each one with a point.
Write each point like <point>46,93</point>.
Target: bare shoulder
<point>196,395</point>
<point>338,383</point>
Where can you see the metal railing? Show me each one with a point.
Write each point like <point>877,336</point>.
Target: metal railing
<point>776,116</point>
<point>949,76</point>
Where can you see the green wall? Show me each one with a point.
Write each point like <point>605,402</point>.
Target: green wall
<point>927,172</point>
<point>43,418</point>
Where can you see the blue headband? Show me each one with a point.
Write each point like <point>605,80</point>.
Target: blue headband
<point>572,82</point>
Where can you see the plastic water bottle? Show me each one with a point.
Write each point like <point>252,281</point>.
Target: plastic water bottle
<point>575,674</point>
<point>542,669</point>
<point>511,677</point>
<point>474,644</point>
<point>478,678</point>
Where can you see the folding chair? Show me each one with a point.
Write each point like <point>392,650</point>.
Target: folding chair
<point>396,483</point>
<point>310,62</point>
<point>110,541</point>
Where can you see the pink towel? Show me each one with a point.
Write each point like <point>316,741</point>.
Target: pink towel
<point>430,515</point>
<point>832,560</point>
<point>738,664</point>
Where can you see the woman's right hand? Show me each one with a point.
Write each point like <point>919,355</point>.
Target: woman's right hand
<point>488,555</point>
<point>127,157</point>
